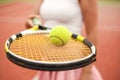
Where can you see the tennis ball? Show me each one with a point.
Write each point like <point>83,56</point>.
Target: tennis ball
<point>59,35</point>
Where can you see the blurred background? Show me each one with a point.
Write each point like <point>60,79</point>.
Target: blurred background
<point>13,14</point>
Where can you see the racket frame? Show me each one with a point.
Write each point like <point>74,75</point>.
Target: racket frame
<point>49,66</point>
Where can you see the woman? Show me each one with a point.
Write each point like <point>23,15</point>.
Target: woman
<point>72,14</point>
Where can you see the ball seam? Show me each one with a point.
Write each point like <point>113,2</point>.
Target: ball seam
<point>59,39</point>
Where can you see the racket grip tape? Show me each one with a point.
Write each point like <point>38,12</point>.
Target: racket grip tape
<point>36,21</point>
<point>37,25</point>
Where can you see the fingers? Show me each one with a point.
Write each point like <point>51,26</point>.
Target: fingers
<point>33,16</point>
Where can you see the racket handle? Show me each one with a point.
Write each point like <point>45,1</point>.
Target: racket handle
<point>36,21</point>
<point>36,24</point>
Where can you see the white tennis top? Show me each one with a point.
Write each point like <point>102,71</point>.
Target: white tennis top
<point>62,12</point>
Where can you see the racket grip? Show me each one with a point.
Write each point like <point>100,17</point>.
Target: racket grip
<point>36,21</point>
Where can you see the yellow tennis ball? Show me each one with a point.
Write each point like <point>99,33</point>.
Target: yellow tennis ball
<point>59,35</point>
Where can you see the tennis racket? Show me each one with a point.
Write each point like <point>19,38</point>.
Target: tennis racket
<point>32,49</point>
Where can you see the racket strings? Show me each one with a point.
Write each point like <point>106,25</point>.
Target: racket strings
<point>38,47</point>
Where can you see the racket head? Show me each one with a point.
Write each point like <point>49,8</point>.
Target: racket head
<point>50,65</point>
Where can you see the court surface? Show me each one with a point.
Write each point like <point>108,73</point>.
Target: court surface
<point>12,20</point>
